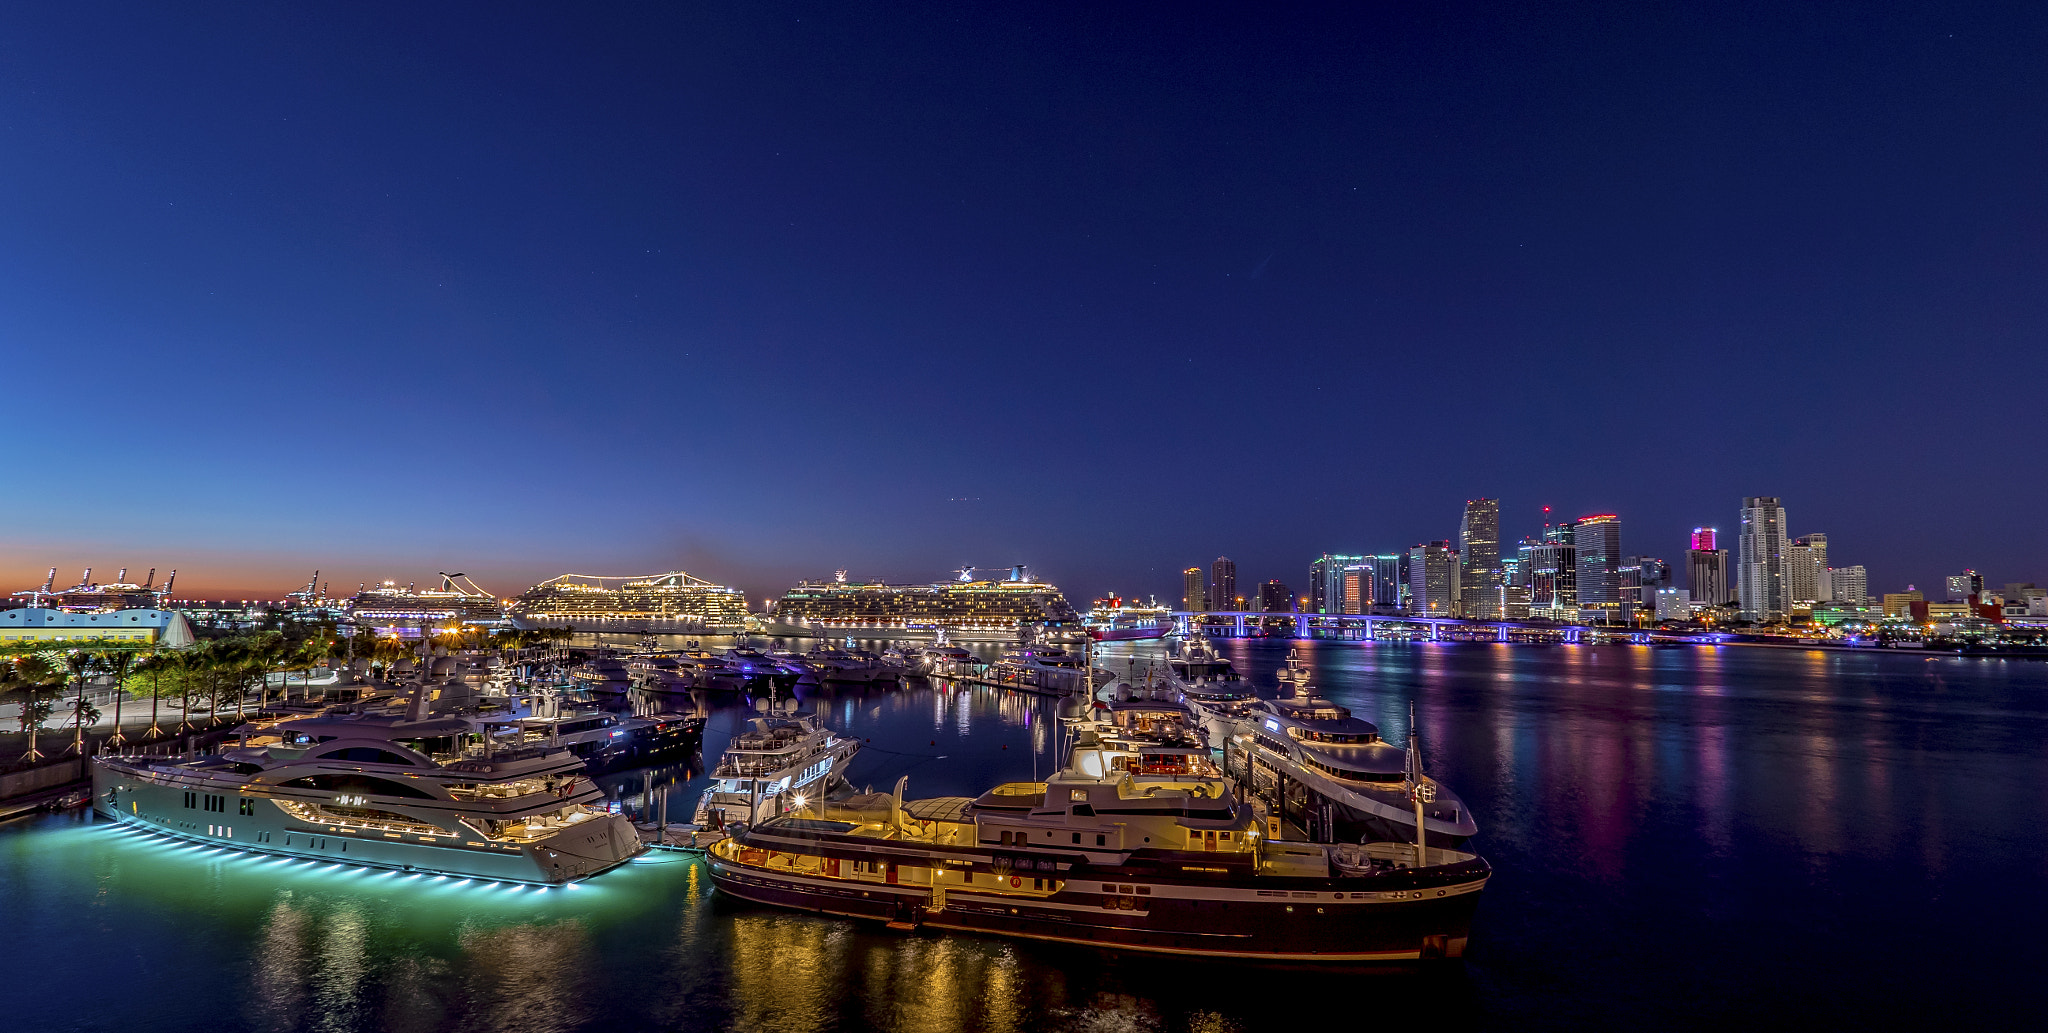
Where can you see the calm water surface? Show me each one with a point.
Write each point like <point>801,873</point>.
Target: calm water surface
<point>1682,839</point>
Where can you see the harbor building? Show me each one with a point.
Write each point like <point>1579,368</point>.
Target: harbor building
<point>39,625</point>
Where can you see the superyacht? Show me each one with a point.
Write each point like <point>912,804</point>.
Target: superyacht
<point>403,791</point>
<point>776,764</point>
<point>1332,773</point>
<point>1131,846</point>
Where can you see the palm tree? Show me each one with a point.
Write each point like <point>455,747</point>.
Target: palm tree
<point>36,672</point>
<point>118,662</point>
<point>79,666</point>
<point>154,664</point>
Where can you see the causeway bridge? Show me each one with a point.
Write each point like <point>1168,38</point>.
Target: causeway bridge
<point>1378,626</point>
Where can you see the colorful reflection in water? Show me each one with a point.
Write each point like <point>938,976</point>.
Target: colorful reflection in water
<point>1683,839</point>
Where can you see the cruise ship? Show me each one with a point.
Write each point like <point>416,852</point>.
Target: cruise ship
<point>391,605</point>
<point>1130,846</point>
<point>776,764</point>
<point>88,597</point>
<point>649,604</point>
<point>1111,620</point>
<point>967,606</point>
<point>380,790</point>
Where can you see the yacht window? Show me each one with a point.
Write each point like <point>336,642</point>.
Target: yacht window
<point>365,755</point>
<point>1102,841</point>
<point>358,784</point>
<point>1077,835</point>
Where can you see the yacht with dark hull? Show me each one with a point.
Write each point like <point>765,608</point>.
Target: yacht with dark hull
<point>401,791</point>
<point>1131,846</point>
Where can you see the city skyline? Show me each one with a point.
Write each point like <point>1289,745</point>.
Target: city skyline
<point>362,290</point>
<point>508,579</point>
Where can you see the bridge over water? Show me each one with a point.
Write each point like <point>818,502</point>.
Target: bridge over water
<point>1370,627</point>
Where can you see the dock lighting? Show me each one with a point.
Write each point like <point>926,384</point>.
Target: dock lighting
<point>799,801</point>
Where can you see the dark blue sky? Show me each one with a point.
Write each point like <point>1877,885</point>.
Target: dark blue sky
<point>766,290</point>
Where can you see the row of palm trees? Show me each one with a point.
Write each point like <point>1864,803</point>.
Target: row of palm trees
<point>207,673</point>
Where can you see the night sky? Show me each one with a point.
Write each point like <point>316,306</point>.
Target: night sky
<point>766,290</point>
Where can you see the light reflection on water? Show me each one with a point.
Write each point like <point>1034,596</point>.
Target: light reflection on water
<point>1683,839</point>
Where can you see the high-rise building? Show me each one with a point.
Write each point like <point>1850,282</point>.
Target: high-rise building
<point>1964,585</point>
<point>1357,596</point>
<point>1596,541</point>
<point>1479,559</point>
<point>1806,566</point>
<point>1707,576</point>
<point>1703,539</point>
<point>1433,579</point>
<point>1549,571</point>
<point>1851,585</point>
<point>1275,598</point>
<point>1673,604</point>
<point>1194,590</point>
<point>1760,583</point>
<point>1223,584</point>
<point>1326,581</point>
<point>1389,579</point>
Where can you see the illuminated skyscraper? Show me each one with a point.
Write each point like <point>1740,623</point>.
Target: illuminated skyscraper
<point>1851,585</point>
<point>1703,539</point>
<point>1964,585</point>
<point>1433,579</point>
<point>1597,544</point>
<point>1707,574</point>
<point>1326,581</point>
<point>1223,584</point>
<point>1389,579</point>
<point>1194,590</point>
<point>1479,558</point>
<point>1275,598</point>
<point>1760,583</point>
<point>1806,570</point>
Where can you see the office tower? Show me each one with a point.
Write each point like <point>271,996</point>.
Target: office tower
<point>1707,576</point>
<point>1194,590</point>
<point>1851,585</point>
<point>1597,544</point>
<point>1628,583</point>
<point>1275,598</point>
<point>1703,539</point>
<point>1326,582</point>
<point>1223,584</point>
<point>1964,585</point>
<point>1760,563</point>
<point>1357,596</point>
<point>1549,570</point>
<point>1673,604</point>
<point>1389,579</point>
<point>1479,558</point>
<point>1806,564</point>
<point>1433,579</point>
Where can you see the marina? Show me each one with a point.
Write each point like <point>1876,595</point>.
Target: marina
<point>1606,777</point>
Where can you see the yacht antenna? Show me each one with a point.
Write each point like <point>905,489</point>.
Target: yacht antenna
<point>1418,791</point>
